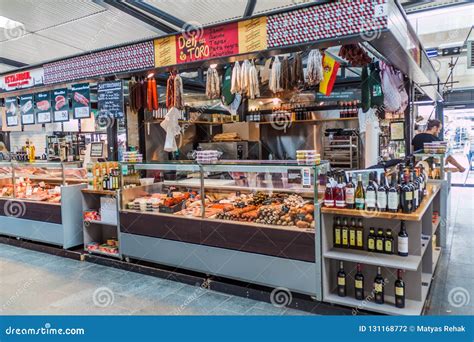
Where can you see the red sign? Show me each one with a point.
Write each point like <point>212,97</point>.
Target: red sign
<point>18,79</point>
<point>207,43</point>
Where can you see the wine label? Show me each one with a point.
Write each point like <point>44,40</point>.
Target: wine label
<point>352,238</point>
<point>403,245</point>
<point>359,203</point>
<point>329,203</point>
<point>378,287</point>
<point>341,204</point>
<point>338,236</point>
<point>360,239</point>
<point>381,200</point>
<point>416,198</point>
<point>350,195</point>
<point>371,244</point>
<point>388,246</point>
<point>399,291</point>
<point>379,245</point>
<point>393,200</point>
<point>370,199</point>
<point>344,237</point>
<point>359,284</point>
<point>341,281</point>
<point>409,195</point>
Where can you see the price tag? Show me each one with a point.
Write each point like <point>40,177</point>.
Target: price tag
<point>44,117</point>
<point>81,112</point>
<point>29,191</point>
<point>61,115</point>
<point>12,120</point>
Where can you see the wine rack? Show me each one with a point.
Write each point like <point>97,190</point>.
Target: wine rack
<point>418,267</point>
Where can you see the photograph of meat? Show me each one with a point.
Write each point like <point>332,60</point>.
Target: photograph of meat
<point>60,102</point>
<point>11,109</point>
<point>43,105</point>
<point>81,99</point>
<point>26,107</point>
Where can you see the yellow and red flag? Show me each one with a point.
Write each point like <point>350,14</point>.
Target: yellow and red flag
<point>330,67</point>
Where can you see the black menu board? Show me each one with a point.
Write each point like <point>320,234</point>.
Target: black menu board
<point>11,105</point>
<point>110,99</point>
<point>43,107</point>
<point>60,105</point>
<point>80,95</point>
<point>27,109</point>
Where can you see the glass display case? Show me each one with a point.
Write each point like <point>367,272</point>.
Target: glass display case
<point>38,181</point>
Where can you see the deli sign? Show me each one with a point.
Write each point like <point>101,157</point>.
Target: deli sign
<point>22,80</point>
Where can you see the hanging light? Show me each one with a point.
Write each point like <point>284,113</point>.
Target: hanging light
<point>151,74</point>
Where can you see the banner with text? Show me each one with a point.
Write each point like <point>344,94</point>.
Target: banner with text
<point>43,107</point>
<point>61,105</point>
<point>80,94</point>
<point>27,109</point>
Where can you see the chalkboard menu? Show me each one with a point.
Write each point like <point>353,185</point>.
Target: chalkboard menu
<point>43,107</point>
<point>61,105</point>
<point>110,99</point>
<point>27,109</point>
<point>11,106</point>
<point>80,95</point>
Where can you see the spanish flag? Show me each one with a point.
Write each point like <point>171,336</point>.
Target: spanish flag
<point>330,67</point>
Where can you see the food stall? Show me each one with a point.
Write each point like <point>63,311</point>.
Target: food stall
<point>41,201</point>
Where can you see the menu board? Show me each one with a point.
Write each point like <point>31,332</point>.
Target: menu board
<point>43,107</point>
<point>11,106</point>
<point>80,94</point>
<point>27,109</point>
<point>60,105</point>
<point>110,99</point>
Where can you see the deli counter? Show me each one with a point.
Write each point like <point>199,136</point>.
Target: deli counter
<point>41,201</point>
<point>250,221</point>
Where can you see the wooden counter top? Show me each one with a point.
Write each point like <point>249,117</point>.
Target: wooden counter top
<point>99,192</point>
<point>432,190</point>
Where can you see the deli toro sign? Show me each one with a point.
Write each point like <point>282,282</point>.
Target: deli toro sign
<point>22,79</point>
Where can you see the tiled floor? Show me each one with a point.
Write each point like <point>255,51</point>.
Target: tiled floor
<point>39,283</point>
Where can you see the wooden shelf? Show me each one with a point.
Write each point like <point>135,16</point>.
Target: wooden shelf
<point>412,307</point>
<point>99,192</point>
<point>311,121</point>
<point>101,222</point>
<point>416,216</point>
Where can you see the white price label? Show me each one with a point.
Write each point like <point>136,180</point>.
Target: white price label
<point>12,120</point>
<point>28,119</point>
<point>44,117</point>
<point>61,115</point>
<point>81,112</point>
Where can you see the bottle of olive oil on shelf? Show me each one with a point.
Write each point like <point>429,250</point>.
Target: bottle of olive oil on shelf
<point>379,241</point>
<point>352,234</point>
<point>388,244</point>
<point>341,281</point>
<point>379,287</point>
<point>359,235</point>
<point>359,283</point>
<point>337,233</point>
<point>345,233</point>
<point>371,240</point>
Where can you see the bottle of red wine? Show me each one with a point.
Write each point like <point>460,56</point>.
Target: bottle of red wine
<point>379,287</point>
<point>399,290</point>
<point>416,193</point>
<point>339,194</point>
<point>359,284</point>
<point>393,197</point>
<point>406,197</point>
<point>382,194</point>
<point>403,240</point>
<point>341,281</point>
<point>349,194</point>
<point>329,195</point>
<point>370,195</point>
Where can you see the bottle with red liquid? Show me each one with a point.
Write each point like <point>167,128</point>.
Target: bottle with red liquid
<point>329,194</point>
<point>339,193</point>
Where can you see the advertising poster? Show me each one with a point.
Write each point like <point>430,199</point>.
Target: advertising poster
<point>80,95</point>
<point>61,105</point>
<point>11,105</point>
<point>27,109</point>
<point>43,107</point>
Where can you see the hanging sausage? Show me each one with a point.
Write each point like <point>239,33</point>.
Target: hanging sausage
<point>154,94</point>
<point>275,74</point>
<point>285,74</point>
<point>297,73</point>
<point>149,96</point>
<point>236,79</point>
<point>314,69</point>
<point>170,92</point>
<point>212,84</point>
<point>178,92</point>
<point>254,86</point>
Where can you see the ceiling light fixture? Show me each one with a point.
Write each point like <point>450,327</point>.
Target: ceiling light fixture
<point>8,23</point>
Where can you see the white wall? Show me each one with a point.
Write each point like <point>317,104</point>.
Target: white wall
<point>18,139</point>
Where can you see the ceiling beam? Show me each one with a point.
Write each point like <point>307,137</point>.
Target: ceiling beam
<point>140,16</point>
<point>157,12</point>
<point>249,8</point>
<point>11,62</point>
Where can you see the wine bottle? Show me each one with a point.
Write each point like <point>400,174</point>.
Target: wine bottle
<point>371,240</point>
<point>379,240</point>
<point>329,195</point>
<point>393,197</point>
<point>360,235</point>
<point>339,195</point>
<point>416,193</point>
<point>337,232</point>
<point>406,197</point>
<point>352,234</point>
<point>388,244</point>
<point>370,195</point>
<point>399,291</point>
<point>403,240</point>
<point>349,194</point>
<point>359,194</point>
<point>341,281</point>
<point>345,233</point>
<point>105,182</point>
<point>382,194</point>
<point>379,287</point>
<point>359,284</point>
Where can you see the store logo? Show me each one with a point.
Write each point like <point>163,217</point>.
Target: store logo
<point>19,79</point>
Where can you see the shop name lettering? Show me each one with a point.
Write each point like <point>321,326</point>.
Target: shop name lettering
<point>19,79</point>
<point>192,48</point>
<point>195,47</point>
